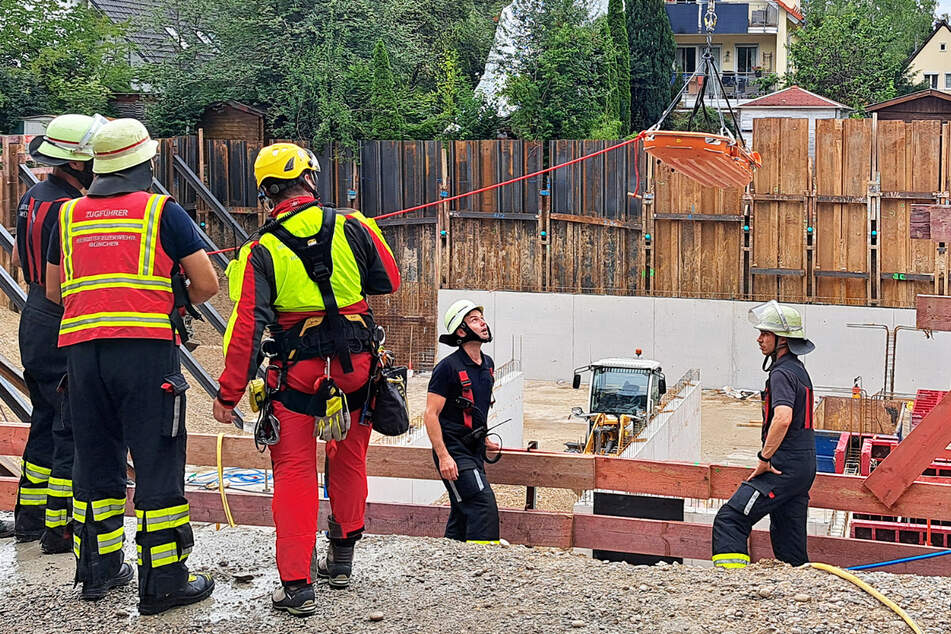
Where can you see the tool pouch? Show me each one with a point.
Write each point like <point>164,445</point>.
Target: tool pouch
<point>387,410</point>
<point>173,420</point>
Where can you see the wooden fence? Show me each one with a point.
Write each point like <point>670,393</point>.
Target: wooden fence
<point>828,228</point>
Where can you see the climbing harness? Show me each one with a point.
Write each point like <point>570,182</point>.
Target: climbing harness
<point>715,160</point>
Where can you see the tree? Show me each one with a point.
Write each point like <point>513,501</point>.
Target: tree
<point>618,26</point>
<point>652,51</point>
<point>848,54</point>
<point>56,58</point>
<point>387,121</point>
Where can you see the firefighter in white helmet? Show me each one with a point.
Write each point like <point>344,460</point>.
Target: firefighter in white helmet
<point>779,485</point>
<point>457,406</point>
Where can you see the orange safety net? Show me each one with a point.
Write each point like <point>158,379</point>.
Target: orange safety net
<point>714,160</point>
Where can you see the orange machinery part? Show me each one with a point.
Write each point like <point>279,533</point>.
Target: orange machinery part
<point>714,160</point>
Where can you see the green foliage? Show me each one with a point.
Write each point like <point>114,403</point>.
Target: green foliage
<point>617,23</point>
<point>386,121</point>
<point>766,84</point>
<point>652,51</point>
<point>56,58</point>
<point>855,53</point>
<point>706,120</point>
<point>562,74</point>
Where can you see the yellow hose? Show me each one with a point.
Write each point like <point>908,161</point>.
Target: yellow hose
<point>838,572</point>
<point>221,483</point>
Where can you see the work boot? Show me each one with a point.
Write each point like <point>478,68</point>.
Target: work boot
<point>197,589</point>
<point>54,543</point>
<point>336,565</point>
<point>7,528</point>
<point>121,578</point>
<point>296,599</point>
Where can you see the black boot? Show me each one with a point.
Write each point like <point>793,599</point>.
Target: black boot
<point>197,588</point>
<point>57,541</point>
<point>121,578</point>
<point>337,564</point>
<point>7,528</point>
<point>295,598</point>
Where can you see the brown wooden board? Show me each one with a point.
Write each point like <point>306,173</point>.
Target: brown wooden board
<point>764,227</point>
<point>933,312</point>
<point>908,161</point>
<point>843,154</point>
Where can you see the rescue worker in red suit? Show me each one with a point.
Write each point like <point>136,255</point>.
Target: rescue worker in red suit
<point>45,495</point>
<point>114,263</point>
<point>313,302</point>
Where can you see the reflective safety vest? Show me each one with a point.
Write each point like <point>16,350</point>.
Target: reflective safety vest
<point>114,273</point>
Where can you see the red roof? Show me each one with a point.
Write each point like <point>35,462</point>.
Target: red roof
<point>793,97</point>
<point>791,9</point>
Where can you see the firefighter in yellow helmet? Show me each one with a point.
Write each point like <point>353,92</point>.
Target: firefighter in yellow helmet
<point>119,254</point>
<point>45,495</point>
<point>306,280</point>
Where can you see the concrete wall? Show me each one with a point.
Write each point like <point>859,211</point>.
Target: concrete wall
<point>554,333</point>
<point>674,434</point>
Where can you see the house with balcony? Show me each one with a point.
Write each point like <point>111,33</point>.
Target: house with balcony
<point>750,42</point>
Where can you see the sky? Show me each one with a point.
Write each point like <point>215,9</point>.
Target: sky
<point>944,6</point>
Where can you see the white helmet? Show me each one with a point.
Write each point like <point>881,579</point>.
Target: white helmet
<point>783,321</point>
<point>455,319</point>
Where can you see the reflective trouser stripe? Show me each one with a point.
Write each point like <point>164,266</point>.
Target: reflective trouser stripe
<point>35,473</point>
<point>731,560</point>
<point>76,544</point>
<point>483,541</point>
<point>33,496</point>
<point>161,519</point>
<point>111,541</point>
<point>60,488</point>
<point>56,517</point>
<point>79,511</point>
<point>109,507</point>
<point>163,554</point>
<point>138,550</point>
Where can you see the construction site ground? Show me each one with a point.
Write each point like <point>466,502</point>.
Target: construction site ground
<point>404,584</point>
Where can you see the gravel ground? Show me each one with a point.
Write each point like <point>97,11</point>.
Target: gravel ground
<point>428,585</point>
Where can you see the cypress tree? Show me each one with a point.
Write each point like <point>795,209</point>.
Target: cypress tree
<point>652,49</point>
<point>386,121</point>
<point>618,26</point>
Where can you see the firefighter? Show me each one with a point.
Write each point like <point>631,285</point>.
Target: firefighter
<point>120,253</point>
<point>457,406</point>
<point>306,278</point>
<point>779,485</point>
<point>44,500</point>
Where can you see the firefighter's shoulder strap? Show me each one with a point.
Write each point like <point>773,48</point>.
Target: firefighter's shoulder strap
<point>315,254</point>
<point>465,383</point>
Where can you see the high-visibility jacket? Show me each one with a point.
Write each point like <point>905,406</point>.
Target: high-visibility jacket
<point>270,286</point>
<point>114,274</point>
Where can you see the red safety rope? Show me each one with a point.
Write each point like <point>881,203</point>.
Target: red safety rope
<point>637,179</point>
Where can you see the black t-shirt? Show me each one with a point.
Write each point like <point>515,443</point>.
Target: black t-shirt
<point>789,384</point>
<point>177,231</point>
<point>37,223</point>
<point>445,382</point>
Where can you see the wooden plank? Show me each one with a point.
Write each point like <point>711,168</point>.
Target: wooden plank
<point>913,455</point>
<point>933,312</point>
<point>653,477</point>
<point>764,230</point>
<point>787,272</point>
<point>791,222</point>
<point>919,223</point>
<point>599,222</point>
<point>701,217</point>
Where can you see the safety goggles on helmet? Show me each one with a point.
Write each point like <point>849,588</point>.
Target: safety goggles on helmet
<point>67,138</point>
<point>783,321</point>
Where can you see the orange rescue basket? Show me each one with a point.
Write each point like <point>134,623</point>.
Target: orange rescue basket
<point>714,160</point>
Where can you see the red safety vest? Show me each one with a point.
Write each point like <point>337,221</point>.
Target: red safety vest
<point>114,273</point>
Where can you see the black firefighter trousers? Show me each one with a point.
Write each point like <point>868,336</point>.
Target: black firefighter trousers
<point>785,498</point>
<point>44,498</point>
<point>473,511</point>
<point>129,393</point>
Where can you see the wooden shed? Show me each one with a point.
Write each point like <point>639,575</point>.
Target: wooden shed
<point>233,120</point>
<point>918,106</point>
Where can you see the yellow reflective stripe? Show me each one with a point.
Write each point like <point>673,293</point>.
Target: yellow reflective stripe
<point>32,496</point>
<point>35,473</point>
<point>56,517</point>
<point>138,550</point>
<point>76,545</point>
<point>139,516</point>
<point>111,541</point>
<point>60,487</point>
<point>106,508</point>
<point>65,221</point>
<point>483,541</point>
<point>162,519</point>
<point>117,280</point>
<point>94,227</point>
<point>79,511</point>
<point>163,554</point>
<point>153,212</point>
<point>117,319</point>
<point>731,560</point>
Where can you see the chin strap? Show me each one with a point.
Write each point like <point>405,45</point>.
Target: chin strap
<point>455,340</point>
<point>771,358</point>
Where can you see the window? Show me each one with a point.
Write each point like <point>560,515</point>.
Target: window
<point>932,79</point>
<point>947,80</point>
<point>685,59</point>
<point>745,59</point>
<point>943,47</point>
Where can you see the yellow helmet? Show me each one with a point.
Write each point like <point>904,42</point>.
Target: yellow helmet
<point>67,138</point>
<point>283,161</point>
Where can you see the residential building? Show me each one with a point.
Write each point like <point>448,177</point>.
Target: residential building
<point>931,63</point>
<point>750,42</point>
<point>923,105</point>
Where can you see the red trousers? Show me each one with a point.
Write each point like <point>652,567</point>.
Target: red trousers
<point>294,459</point>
